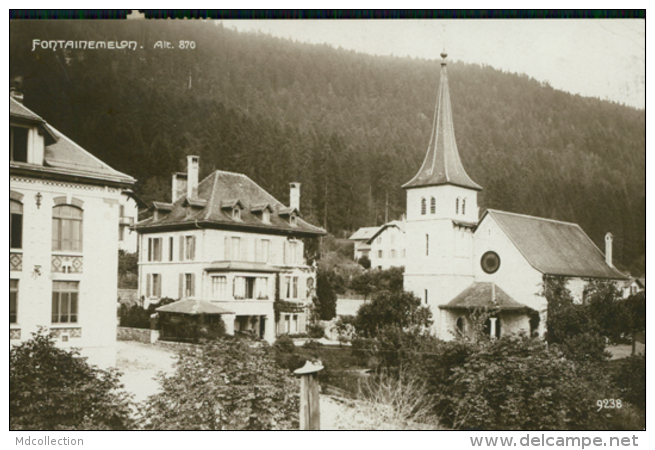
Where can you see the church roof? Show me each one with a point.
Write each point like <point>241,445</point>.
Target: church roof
<point>221,189</point>
<point>442,164</point>
<point>553,247</point>
<point>484,295</point>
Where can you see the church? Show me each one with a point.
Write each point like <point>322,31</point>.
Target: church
<point>461,263</point>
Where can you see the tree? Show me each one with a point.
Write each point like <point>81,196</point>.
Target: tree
<point>634,314</point>
<point>54,389</point>
<point>364,262</point>
<point>606,310</point>
<point>226,384</point>
<point>398,309</point>
<point>327,283</point>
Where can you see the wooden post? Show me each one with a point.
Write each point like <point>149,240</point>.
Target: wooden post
<point>310,410</point>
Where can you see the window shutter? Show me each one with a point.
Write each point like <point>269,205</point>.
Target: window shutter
<point>181,248</point>
<point>148,281</point>
<point>244,249</point>
<point>181,291</point>
<point>158,288</point>
<point>286,252</point>
<point>149,248</point>
<point>192,290</point>
<point>193,248</point>
<point>228,247</point>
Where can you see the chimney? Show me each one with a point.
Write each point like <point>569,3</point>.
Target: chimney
<point>608,249</point>
<point>294,196</point>
<point>178,185</point>
<point>16,89</point>
<point>192,176</point>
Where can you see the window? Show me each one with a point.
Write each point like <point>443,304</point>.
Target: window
<point>189,285</point>
<point>378,240</point>
<point>423,206</point>
<point>287,287</point>
<point>427,245</point>
<point>232,248</point>
<point>293,220</point>
<point>490,262</point>
<point>171,245</point>
<point>219,287</point>
<point>13,301</point>
<point>457,206</point>
<point>239,288</point>
<point>295,287</point>
<point>153,285</point>
<point>250,287</point>
<point>154,249</point>
<point>426,296</point>
<point>190,253</point>
<point>67,228</point>
<point>64,301</point>
<point>393,253</point>
<point>15,224</point>
<point>404,252</point>
<point>295,323</point>
<point>121,227</point>
<point>18,144</point>
<point>262,250</point>
<point>464,206</point>
<point>266,216</point>
<point>380,253</point>
<point>291,249</point>
<point>287,323</point>
<point>433,205</point>
<point>236,214</point>
<point>461,327</point>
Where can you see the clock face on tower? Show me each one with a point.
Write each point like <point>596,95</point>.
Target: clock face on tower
<point>490,262</point>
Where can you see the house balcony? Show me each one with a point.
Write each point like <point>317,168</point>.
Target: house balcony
<point>246,307</point>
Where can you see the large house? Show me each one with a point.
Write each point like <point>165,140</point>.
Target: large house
<point>63,238</point>
<point>227,241</point>
<point>460,264</point>
<point>388,247</point>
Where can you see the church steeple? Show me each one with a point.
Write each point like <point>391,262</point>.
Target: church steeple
<point>442,164</point>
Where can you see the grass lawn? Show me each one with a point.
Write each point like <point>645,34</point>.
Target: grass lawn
<point>140,363</point>
<point>623,351</point>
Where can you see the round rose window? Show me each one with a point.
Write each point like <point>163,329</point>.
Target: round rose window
<point>490,262</point>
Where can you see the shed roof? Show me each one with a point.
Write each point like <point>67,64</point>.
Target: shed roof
<point>193,307</point>
<point>553,247</point>
<point>484,295</point>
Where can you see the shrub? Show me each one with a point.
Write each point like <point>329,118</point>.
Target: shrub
<point>585,348</point>
<point>226,384</point>
<point>630,377</point>
<point>364,262</point>
<point>517,383</point>
<point>54,389</point>
<point>285,354</point>
<point>315,330</point>
<point>391,308</point>
<point>133,316</point>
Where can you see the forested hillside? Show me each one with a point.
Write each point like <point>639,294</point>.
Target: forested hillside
<point>352,128</point>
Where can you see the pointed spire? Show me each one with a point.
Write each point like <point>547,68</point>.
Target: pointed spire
<point>442,164</point>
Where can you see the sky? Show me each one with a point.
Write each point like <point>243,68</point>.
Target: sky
<point>596,58</point>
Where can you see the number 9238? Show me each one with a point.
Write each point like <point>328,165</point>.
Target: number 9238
<point>609,403</point>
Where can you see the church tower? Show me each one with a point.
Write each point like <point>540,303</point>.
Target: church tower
<point>442,210</point>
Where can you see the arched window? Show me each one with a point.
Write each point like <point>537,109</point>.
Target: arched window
<point>423,208</point>
<point>464,206</point>
<point>15,224</point>
<point>433,205</point>
<point>67,228</point>
<point>457,206</point>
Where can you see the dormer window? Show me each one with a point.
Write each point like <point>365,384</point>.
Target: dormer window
<point>18,144</point>
<point>266,216</point>
<point>293,220</point>
<point>236,214</point>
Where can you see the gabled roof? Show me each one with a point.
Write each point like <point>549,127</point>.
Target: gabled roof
<point>63,156</point>
<point>442,164</point>
<point>364,233</point>
<point>227,189</point>
<point>193,307</point>
<point>394,223</point>
<point>553,247</point>
<point>484,295</point>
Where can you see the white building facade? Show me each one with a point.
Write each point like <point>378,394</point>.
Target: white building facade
<point>388,247</point>
<point>64,211</point>
<point>227,241</point>
<point>458,263</point>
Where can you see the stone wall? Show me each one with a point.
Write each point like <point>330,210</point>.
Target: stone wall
<point>137,334</point>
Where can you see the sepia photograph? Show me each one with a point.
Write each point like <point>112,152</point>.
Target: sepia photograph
<point>320,220</point>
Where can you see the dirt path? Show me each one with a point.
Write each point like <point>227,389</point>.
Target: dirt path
<point>139,364</point>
